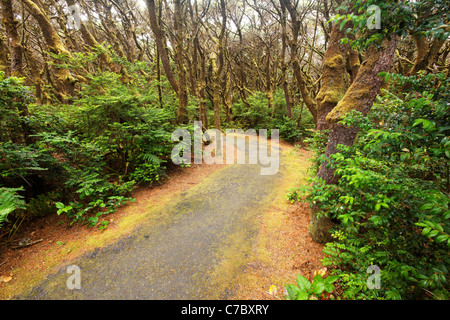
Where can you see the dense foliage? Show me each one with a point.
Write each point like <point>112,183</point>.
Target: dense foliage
<point>392,199</point>
<point>258,114</point>
<point>88,107</point>
<point>81,159</point>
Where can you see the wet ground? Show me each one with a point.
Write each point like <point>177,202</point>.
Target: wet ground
<point>179,253</point>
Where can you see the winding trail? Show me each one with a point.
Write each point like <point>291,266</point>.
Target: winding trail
<point>191,248</point>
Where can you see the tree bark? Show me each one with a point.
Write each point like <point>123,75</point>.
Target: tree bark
<point>360,96</point>
<point>295,23</point>
<point>427,53</point>
<point>335,78</point>
<point>15,47</point>
<point>217,63</point>
<point>65,81</point>
<point>182,114</point>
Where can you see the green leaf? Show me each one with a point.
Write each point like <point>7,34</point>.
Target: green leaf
<point>433,233</point>
<point>303,283</point>
<point>59,205</point>
<point>441,238</point>
<point>329,287</point>
<point>331,279</point>
<point>426,231</point>
<point>292,291</point>
<point>318,285</point>
<point>302,295</point>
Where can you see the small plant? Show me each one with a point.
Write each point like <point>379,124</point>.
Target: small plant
<point>9,202</point>
<point>306,290</point>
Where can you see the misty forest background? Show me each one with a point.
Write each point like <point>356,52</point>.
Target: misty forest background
<point>88,106</point>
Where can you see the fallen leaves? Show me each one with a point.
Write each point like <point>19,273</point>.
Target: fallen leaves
<point>6,279</point>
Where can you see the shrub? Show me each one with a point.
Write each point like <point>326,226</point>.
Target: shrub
<point>392,196</point>
<point>10,201</point>
<point>260,116</point>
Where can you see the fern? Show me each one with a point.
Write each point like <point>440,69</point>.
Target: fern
<point>151,158</point>
<point>10,201</point>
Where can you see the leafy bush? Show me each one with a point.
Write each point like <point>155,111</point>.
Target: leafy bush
<point>392,198</point>
<point>14,98</point>
<point>306,290</point>
<point>85,158</point>
<point>10,201</point>
<point>260,116</point>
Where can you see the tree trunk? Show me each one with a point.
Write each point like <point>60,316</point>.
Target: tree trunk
<point>360,96</point>
<point>285,84</point>
<point>89,39</point>
<point>3,55</point>
<point>335,78</point>
<point>216,92</point>
<point>65,81</point>
<point>160,43</point>
<point>203,112</point>
<point>182,114</point>
<point>15,47</point>
<point>180,86</point>
<point>427,53</point>
<point>295,23</point>
<point>217,63</point>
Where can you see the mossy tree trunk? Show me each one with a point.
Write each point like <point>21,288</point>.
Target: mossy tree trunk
<point>15,47</point>
<point>182,113</point>
<point>90,40</point>
<point>3,54</point>
<point>16,60</point>
<point>283,64</point>
<point>295,25</point>
<point>217,64</point>
<point>180,85</point>
<point>360,96</point>
<point>335,77</point>
<point>427,53</point>
<point>65,82</point>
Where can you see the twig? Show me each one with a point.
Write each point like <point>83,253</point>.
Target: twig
<point>4,261</point>
<point>28,244</point>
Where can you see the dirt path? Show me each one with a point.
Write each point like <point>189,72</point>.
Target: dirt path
<point>225,234</point>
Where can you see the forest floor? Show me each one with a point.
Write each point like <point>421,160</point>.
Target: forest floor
<point>209,232</point>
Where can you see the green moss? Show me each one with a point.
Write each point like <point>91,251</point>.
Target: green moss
<point>332,96</point>
<point>351,101</point>
<point>334,62</point>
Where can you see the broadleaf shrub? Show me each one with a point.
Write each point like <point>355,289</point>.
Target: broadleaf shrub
<point>392,199</point>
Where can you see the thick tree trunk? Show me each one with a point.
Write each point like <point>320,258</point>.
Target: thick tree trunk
<point>360,96</point>
<point>335,78</point>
